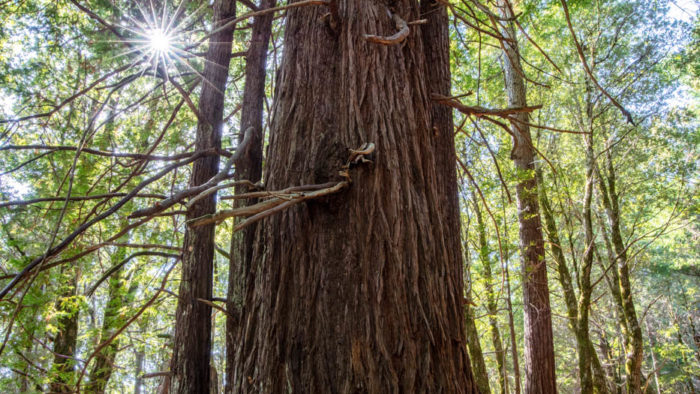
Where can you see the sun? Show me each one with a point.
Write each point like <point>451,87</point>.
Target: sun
<point>159,41</point>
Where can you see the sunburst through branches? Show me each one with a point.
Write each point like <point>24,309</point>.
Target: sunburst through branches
<point>160,40</point>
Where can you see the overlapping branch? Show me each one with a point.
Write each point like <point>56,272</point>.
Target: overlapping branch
<point>286,198</point>
<point>203,188</point>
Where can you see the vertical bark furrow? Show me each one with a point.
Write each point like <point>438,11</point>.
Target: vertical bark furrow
<point>327,311</point>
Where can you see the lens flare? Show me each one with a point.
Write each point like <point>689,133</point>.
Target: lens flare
<point>159,41</point>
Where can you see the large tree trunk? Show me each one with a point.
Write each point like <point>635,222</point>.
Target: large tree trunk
<point>248,167</point>
<point>438,79</point>
<point>191,350</point>
<point>539,344</point>
<point>360,291</point>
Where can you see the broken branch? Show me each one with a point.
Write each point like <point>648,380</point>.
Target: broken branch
<point>396,38</point>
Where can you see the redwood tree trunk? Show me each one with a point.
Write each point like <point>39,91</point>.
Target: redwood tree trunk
<point>360,291</point>
<point>436,42</point>
<point>191,350</point>
<point>248,167</point>
<point>539,344</point>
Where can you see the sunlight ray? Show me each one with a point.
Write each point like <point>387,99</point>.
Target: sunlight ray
<point>184,61</point>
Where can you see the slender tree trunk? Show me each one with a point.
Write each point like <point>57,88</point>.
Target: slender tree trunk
<point>139,371</point>
<point>361,291</point>
<point>509,305</point>
<point>192,345</point>
<point>513,337</point>
<point>611,365</point>
<point>558,253</point>
<point>249,167</point>
<point>693,332</point>
<point>585,288</point>
<point>599,382</point>
<point>679,337</point>
<point>63,369</point>
<point>539,345</point>
<point>476,355</point>
<point>491,302</point>
<point>635,349</point>
<point>653,358</point>
<point>613,281</point>
<point>103,365</point>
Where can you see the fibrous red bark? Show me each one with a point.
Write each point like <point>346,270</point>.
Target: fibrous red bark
<point>360,291</point>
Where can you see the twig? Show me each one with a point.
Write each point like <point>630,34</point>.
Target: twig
<point>284,199</point>
<point>137,156</point>
<point>120,264</point>
<point>216,188</point>
<point>264,206</point>
<point>156,374</point>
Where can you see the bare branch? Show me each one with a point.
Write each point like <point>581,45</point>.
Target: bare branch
<point>394,39</point>
<point>481,111</point>
<point>193,191</point>
<point>77,198</point>
<point>69,239</point>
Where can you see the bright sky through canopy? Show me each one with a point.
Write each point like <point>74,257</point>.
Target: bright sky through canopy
<point>159,41</point>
